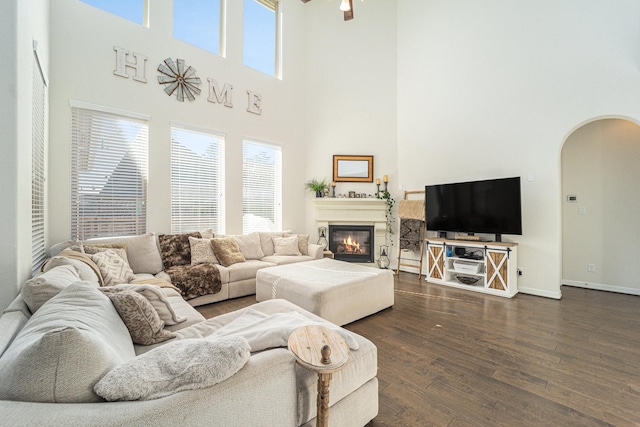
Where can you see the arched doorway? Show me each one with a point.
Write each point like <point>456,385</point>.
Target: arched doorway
<point>601,206</point>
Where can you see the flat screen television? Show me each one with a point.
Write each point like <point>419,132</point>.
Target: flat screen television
<point>490,206</point>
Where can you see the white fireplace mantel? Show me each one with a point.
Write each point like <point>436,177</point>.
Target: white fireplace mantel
<point>347,211</point>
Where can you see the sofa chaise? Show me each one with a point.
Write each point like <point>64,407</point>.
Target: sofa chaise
<point>51,359</point>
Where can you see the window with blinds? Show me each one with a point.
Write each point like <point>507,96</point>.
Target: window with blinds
<point>261,35</point>
<point>197,181</point>
<point>261,187</point>
<point>109,153</point>
<point>38,249</point>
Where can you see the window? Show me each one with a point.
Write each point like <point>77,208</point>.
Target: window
<point>261,187</point>
<point>260,35</point>
<point>108,173</point>
<point>133,10</point>
<point>38,249</point>
<point>197,22</point>
<point>197,181</point>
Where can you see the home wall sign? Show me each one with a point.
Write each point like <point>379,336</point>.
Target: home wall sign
<point>181,80</point>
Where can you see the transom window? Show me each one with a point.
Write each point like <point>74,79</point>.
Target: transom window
<point>197,22</point>
<point>261,35</point>
<point>133,10</point>
<point>261,187</point>
<point>108,173</point>
<point>197,180</point>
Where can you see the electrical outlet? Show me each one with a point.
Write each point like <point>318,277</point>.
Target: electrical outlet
<point>591,268</point>
<point>520,272</point>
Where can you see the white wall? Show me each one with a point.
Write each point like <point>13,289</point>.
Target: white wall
<point>492,89</point>
<point>83,61</point>
<point>350,93</point>
<point>21,22</point>
<point>600,166</point>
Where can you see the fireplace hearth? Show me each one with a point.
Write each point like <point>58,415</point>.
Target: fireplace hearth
<point>352,243</point>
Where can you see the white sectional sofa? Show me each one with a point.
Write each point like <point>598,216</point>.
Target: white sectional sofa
<point>148,260</point>
<point>269,390</point>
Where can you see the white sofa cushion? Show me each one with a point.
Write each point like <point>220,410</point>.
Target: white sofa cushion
<point>65,348</point>
<point>250,246</point>
<point>42,288</point>
<point>266,240</point>
<point>142,251</point>
<point>286,246</point>
<point>175,367</point>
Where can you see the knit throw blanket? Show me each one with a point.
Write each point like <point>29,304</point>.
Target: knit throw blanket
<point>195,280</point>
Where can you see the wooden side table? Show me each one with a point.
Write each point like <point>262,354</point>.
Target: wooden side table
<point>327,254</point>
<point>324,351</point>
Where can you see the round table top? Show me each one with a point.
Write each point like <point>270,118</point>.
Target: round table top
<point>306,344</point>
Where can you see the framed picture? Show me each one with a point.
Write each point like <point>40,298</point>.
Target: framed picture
<point>352,168</point>
<point>352,194</point>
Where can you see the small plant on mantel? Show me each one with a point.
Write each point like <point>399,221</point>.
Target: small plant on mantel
<point>391,220</point>
<point>316,185</point>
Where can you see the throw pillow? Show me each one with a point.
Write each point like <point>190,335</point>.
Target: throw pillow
<point>141,319</point>
<point>250,246</point>
<point>42,288</point>
<point>175,249</point>
<point>227,250</point>
<point>113,268</point>
<point>202,251</point>
<point>87,269</point>
<point>118,248</point>
<point>65,348</point>
<point>174,367</point>
<point>156,296</point>
<point>286,246</point>
<point>303,242</point>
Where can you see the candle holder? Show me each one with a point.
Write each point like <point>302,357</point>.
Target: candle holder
<point>333,190</point>
<point>378,188</point>
<point>385,186</point>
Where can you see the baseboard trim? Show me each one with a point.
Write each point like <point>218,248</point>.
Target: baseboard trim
<point>540,292</point>
<point>602,287</point>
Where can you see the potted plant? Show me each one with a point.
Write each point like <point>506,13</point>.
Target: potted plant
<point>317,186</point>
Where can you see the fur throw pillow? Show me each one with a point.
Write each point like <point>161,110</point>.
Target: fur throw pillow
<point>174,367</point>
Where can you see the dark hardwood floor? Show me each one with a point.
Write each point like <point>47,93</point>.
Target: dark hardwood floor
<point>449,357</point>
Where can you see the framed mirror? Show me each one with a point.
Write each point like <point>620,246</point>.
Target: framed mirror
<point>352,168</point>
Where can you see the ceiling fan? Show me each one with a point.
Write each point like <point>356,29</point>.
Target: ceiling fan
<point>346,6</point>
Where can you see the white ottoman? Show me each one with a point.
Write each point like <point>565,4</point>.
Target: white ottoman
<point>337,291</point>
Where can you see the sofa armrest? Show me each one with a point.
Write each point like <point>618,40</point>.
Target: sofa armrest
<point>315,251</point>
<point>266,385</point>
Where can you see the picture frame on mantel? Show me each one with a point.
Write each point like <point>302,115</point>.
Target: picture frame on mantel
<point>352,168</point>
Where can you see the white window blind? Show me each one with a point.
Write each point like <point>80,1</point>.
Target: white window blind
<point>197,181</point>
<point>261,187</point>
<point>38,249</point>
<point>108,174</point>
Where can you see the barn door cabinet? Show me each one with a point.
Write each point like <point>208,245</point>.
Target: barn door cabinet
<point>489,267</point>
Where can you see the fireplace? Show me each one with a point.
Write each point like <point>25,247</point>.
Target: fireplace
<point>353,243</point>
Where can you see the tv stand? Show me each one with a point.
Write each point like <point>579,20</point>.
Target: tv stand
<point>488,267</point>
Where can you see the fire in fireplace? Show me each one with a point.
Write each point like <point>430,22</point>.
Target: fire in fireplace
<point>353,243</point>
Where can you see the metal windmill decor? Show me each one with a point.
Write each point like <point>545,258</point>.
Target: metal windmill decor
<point>178,79</point>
